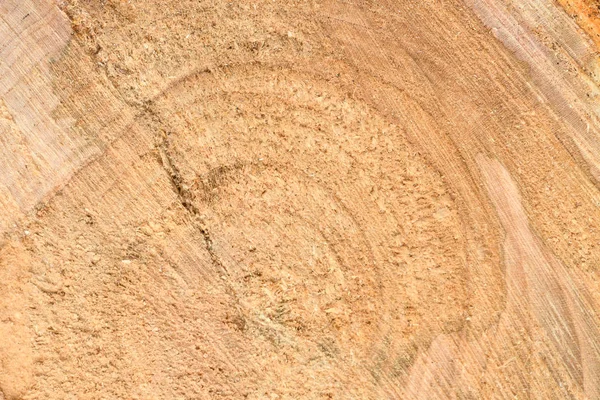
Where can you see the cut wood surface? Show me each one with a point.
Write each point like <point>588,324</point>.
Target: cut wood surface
<point>202,199</point>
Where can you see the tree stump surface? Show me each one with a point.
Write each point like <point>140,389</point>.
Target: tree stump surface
<point>299,200</point>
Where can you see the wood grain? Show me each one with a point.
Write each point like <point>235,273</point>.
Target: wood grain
<point>326,199</point>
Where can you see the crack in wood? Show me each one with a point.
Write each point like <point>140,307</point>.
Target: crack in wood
<point>185,196</point>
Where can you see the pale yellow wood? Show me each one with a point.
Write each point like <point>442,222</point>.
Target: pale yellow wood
<point>312,200</point>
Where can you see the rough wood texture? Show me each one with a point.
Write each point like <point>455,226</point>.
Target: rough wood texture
<point>324,199</point>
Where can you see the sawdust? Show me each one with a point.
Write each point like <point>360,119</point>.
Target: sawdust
<point>587,15</point>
